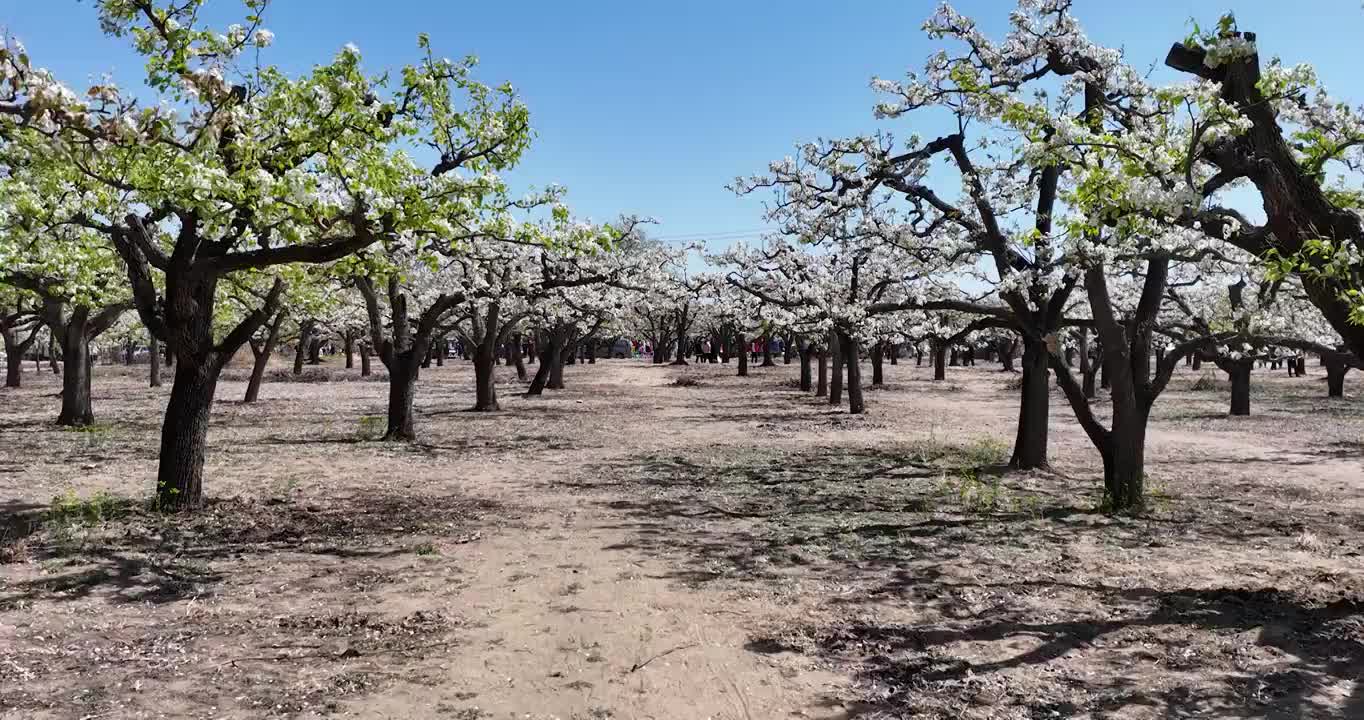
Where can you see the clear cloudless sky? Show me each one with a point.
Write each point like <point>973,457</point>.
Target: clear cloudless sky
<point>650,107</point>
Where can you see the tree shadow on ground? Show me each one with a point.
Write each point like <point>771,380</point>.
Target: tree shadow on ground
<point>131,553</point>
<point>1006,607</point>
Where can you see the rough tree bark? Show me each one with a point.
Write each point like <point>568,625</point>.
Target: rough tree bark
<point>1030,442</point>
<point>260,352</point>
<point>805,379</point>
<point>305,339</point>
<point>74,330</point>
<point>939,360</point>
<point>517,357</point>
<point>836,376</point>
<point>12,327</point>
<point>486,337</point>
<point>854,386</point>
<point>822,384</point>
<point>1238,371</point>
<point>404,350</point>
<point>877,357</point>
<point>154,363</point>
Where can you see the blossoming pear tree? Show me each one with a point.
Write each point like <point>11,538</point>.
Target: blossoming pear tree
<point>1273,127</point>
<point>19,328</point>
<point>247,174</point>
<point>76,277</point>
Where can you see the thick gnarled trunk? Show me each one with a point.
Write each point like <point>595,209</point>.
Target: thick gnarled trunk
<point>1239,373</point>
<point>184,435</point>
<point>822,383</point>
<point>76,405</point>
<point>261,352</point>
<point>805,376</point>
<point>836,376</point>
<point>854,387</point>
<point>1124,461</point>
<point>1030,442</point>
<point>154,363</point>
<point>1336,370</point>
<point>403,371</point>
<point>939,360</point>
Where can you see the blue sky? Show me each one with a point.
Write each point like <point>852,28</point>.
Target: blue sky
<point>653,107</point>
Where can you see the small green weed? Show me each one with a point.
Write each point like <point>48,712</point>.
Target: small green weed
<point>96,429</point>
<point>70,509</point>
<point>373,426</point>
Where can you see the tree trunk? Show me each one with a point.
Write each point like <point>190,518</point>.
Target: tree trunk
<point>485,374</point>
<point>184,435</point>
<point>14,367</point>
<point>681,358</point>
<point>592,352</point>
<point>786,351</point>
<point>261,353</point>
<point>1335,378</point>
<point>836,376</point>
<point>1240,388</point>
<point>364,359</point>
<point>300,353</point>
<point>76,408</point>
<point>403,372</point>
<point>822,384</point>
<point>348,344</point>
<point>154,363</point>
<point>1006,355</point>
<point>14,357</point>
<point>262,359</point>
<point>1125,462</point>
<point>877,376</point>
<point>516,357</point>
<point>743,357</point>
<point>1086,369</point>
<point>855,404</point>
<point>1302,365</point>
<point>1030,443</point>
<point>556,371</point>
<point>549,354</point>
<point>806,381</point>
<point>315,351</point>
<point>767,352</point>
<point>52,352</point>
<point>939,360</point>
<point>894,353</point>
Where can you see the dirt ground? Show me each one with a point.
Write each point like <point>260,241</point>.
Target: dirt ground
<point>626,548</point>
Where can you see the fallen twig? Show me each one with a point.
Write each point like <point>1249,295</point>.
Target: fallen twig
<point>670,651</point>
